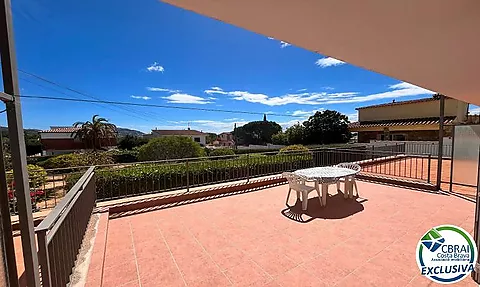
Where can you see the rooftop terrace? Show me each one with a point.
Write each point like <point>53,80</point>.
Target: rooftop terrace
<point>253,239</point>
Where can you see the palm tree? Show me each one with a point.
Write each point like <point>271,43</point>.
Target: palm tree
<point>92,132</point>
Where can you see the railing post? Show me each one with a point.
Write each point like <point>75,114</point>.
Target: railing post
<point>188,177</point>
<point>43,257</point>
<point>248,167</point>
<point>429,166</point>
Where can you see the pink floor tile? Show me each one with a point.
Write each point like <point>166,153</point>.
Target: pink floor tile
<point>252,239</point>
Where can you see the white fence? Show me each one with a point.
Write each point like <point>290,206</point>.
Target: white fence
<point>418,147</point>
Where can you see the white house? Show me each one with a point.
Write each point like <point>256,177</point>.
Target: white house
<point>195,135</point>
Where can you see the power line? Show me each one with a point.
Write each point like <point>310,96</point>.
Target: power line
<point>155,106</point>
<point>100,101</point>
<point>132,113</point>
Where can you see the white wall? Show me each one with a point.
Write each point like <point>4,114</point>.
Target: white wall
<point>419,147</point>
<point>56,135</point>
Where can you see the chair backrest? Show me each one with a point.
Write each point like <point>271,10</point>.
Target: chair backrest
<point>293,179</point>
<point>350,165</point>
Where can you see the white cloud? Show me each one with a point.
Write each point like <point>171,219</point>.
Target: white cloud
<point>186,99</point>
<point>284,44</point>
<point>327,62</point>
<point>353,117</point>
<point>154,89</point>
<point>301,90</point>
<point>215,90</point>
<point>315,98</point>
<point>212,98</point>
<point>140,97</point>
<point>207,125</point>
<point>473,110</point>
<point>155,67</point>
<point>305,113</point>
<point>328,88</point>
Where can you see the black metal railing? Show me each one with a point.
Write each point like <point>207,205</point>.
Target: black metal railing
<point>126,180</point>
<point>61,233</point>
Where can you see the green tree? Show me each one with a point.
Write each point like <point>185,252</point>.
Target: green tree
<point>172,147</point>
<point>258,132</point>
<point>280,138</point>
<point>129,142</point>
<point>222,151</point>
<point>211,137</point>
<point>327,127</point>
<point>296,134</point>
<point>92,132</point>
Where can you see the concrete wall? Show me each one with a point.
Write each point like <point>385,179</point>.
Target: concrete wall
<point>428,109</point>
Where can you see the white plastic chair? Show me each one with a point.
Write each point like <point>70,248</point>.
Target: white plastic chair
<point>297,183</point>
<point>349,179</point>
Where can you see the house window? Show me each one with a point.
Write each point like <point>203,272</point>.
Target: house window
<point>196,140</point>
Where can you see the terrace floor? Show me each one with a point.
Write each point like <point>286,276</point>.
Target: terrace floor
<point>253,239</point>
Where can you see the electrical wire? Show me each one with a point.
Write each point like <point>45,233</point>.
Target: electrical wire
<point>154,106</point>
<point>130,113</point>
<point>100,101</point>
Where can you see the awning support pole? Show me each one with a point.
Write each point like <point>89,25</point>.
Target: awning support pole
<point>440,141</point>
<point>17,144</point>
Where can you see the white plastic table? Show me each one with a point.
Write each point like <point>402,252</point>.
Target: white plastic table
<point>326,175</point>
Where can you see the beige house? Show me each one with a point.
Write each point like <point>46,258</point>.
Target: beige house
<point>195,135</point>
<point>415,120</point>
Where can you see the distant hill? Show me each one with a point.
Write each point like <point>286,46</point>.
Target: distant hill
<point>4,131</point>
<point>124,131</point>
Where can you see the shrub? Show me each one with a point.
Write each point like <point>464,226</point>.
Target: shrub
<point>155,177</point>
<point>37,176</point>
<point>222,151</point>
<point>78,159</point>
<point>64,160</point>
<point>294,148</point>
<point>124,156</point>
<point>172,147</point>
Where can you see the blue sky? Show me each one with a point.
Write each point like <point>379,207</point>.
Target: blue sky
<point>155,53</point>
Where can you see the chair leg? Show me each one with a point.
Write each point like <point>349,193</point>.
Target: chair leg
<point>338,186</point>
<point>299,195</point>
<point>288,195</point>
<point>304,200</point>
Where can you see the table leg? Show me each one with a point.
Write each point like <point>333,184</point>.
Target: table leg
<point>324,193</point>
<point>350,187</point>
<point>319,193</point>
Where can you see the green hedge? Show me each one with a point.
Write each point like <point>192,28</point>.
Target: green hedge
<point>147,178</point>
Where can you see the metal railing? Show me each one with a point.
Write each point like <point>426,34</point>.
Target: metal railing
<point>47,187</point>
<point>118,181</point>
<point>61,233</point>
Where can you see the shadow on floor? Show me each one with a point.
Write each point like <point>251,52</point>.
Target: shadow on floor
<point>337,207</point>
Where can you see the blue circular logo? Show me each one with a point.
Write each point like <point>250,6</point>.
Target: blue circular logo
<point>446,254</point>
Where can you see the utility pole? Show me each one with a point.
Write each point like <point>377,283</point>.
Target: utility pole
<point>17,143</point>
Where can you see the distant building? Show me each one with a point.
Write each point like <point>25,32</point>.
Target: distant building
<point>60,140</point>
<point>415,120</point>
<point>224,140</point>
<point>195,135</point>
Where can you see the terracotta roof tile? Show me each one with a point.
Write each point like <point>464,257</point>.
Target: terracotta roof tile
<point>61,130</point>
<point>403,122</point>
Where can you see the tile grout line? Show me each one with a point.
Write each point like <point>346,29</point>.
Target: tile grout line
<point>134,254</point>
<point>171,254</point>
<point>104,249</point>
<point>209,256</point>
